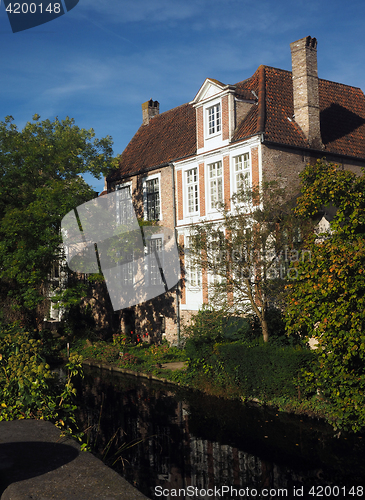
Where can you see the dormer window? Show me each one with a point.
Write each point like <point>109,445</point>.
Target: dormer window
<point>214,119</point>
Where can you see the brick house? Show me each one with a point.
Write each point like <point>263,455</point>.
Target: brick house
<point>269,126</point>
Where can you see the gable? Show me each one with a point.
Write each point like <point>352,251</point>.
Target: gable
<point>209,89</point>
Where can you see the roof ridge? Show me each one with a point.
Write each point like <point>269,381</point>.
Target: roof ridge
<point>339,83</point>
<point>172,109</point>
<point>262,100</point>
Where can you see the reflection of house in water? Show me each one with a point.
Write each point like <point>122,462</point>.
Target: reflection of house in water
<point>203,442</point>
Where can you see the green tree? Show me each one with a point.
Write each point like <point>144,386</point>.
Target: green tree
<point>246,254</point>
<point>327,300</point>
<point>40,169</point>
<point>29,388</point>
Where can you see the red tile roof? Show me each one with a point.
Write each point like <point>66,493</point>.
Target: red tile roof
<point>172,135</point>
<point>342,118</point>
<point>167,137</point>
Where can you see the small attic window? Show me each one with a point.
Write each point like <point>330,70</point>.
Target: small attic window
<point>214,119</point>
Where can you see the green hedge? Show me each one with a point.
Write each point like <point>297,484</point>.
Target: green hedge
<point>264,371</point>
<point>226,352</point>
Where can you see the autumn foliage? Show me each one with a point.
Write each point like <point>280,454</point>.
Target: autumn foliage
<point>327,301</point>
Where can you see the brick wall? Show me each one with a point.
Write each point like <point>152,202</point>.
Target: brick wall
<point>200,127</point>
<point>285,164</point>
<point>225,118</point>
<point>255,166</point>
<point>148,315</point>
<point>182,264</point>
<point>179,190</point>
<point>166,201</point>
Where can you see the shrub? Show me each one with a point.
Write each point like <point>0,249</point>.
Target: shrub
<point>265,371</point>
<point>209,326</point>
<point>29,389</point>
<point>229,352</point>
<point>128,359</point>
<point>102,351</point>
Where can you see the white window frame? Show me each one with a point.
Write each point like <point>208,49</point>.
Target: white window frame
<point>145,180</point>
<point>192,189</point>
<point>218,182</point>
<point>242,170</point>
<point>193,277</point>
<point>119,188</point>
<point>215,252</point>
<point>213,119</point>
<point>148,261</point>
<point>127,272</point>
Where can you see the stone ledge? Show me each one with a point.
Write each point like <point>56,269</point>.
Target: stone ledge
<point>112,368</point>
<point>35,463</point>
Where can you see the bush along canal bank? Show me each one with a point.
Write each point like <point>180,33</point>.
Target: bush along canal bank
<point>271,374</point>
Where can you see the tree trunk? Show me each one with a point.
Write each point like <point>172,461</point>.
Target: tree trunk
<point>265,330</point>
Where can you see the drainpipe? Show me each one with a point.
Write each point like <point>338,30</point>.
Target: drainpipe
<point>175,231</point>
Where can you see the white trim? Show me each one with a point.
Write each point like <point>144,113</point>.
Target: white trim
<point>208,90</point>
<point>159,236</point>
<point>214,111</point>
<point>208,196</point>
<point>119,187</point>
<point>193,295</point>
<point>234,187</point>
<point>185,187</point>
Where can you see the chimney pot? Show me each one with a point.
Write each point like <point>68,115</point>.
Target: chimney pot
<point>150,109</point>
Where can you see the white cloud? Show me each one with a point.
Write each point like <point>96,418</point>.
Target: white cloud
<point>127,11</point>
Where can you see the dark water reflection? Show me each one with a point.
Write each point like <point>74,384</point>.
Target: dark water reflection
<point>190,439</point>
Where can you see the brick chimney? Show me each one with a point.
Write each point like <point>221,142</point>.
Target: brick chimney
<point>305,89</point>
<point>149,110</point>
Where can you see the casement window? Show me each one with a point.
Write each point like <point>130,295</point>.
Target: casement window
<point>152,199</point>
<point>193,274</point>
<point>125,211</point>
<point>154,261</point>
<point>242,171</point>
<point>214,119</point>
<point>125,268</point>
<point>218,258</point>
<point>192,190</point>
<point>215,176</point>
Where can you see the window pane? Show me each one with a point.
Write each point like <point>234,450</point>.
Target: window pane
<point>242,169</point>
<point>153,199</point>
<point>125,208</point>
<point>154,273</point>
<point>215,183</point>
<point>192,183</point>
<point>193,278</point>
<point>214,119</point>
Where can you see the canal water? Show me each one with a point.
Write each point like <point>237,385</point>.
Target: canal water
<point>172,442</point>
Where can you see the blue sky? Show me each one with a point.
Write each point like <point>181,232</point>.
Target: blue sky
<point>101,60</point>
